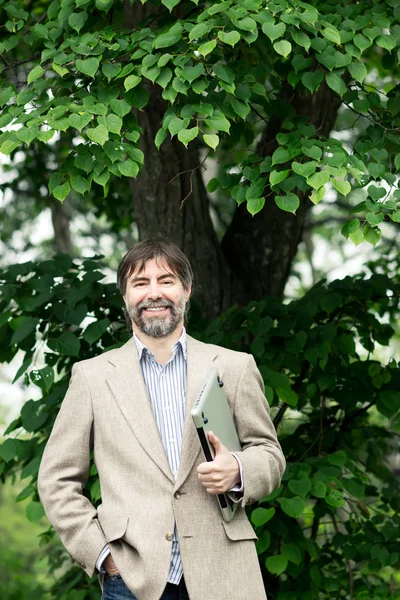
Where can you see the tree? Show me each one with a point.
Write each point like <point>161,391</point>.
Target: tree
<point>135,101</point>
<point>149,90</point>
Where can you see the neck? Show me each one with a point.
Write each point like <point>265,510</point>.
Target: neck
<point>160,347</point>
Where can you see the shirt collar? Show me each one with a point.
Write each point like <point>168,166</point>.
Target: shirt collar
<point>181,343</point>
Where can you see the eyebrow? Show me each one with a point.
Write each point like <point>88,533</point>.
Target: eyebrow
<point>142,278</point>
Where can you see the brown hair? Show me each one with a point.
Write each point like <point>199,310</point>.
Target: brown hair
<point>158,248</point>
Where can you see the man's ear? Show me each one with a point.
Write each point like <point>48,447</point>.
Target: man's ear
<point>188,292</point>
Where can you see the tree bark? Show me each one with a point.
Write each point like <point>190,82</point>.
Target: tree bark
<point>170,199</point>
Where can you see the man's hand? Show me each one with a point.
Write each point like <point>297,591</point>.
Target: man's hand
<point>109,565</point>
<point>223,473</point>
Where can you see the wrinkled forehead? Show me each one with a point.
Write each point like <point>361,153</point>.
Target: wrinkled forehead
<point>152,266</point>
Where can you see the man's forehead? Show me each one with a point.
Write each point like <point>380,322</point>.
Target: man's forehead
<point>153,266</point>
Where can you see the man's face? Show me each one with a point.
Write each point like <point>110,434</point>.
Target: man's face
<point>155,299</point>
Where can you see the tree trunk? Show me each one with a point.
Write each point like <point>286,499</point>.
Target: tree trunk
<point>260,249</point>
<point>170,199</point>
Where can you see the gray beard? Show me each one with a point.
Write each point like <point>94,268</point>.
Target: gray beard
<point>157,327</point>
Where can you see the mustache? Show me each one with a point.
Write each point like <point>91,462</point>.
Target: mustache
<point>152,304</point>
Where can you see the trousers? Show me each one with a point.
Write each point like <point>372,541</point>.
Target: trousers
<point>115,589</point>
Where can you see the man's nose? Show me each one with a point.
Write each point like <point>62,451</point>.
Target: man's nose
<point>154,291</point>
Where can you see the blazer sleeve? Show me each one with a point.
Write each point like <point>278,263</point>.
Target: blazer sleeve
<point>263,462</point>
<point>64,471</point>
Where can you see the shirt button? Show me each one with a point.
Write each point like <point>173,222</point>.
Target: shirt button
<point>177,495</point>
<point>167,407</point>
<point>169,537</point>
<point>171,440</point>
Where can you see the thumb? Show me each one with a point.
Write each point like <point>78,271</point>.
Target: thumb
<point>216,442</point>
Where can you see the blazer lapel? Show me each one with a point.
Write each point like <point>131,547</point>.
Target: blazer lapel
<point>199,360</point>
<point>128,388</point>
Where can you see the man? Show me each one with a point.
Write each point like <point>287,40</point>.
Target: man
<point>159,533</point>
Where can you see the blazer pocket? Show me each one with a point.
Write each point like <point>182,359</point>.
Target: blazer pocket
<point>114,528</point>
<point>239,529</point>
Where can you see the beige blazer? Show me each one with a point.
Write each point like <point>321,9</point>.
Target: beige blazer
<point>107,409</point>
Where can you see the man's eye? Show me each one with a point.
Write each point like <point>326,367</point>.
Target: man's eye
<point>168,281</point>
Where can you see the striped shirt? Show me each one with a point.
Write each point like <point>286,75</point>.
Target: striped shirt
<point>166,389</point>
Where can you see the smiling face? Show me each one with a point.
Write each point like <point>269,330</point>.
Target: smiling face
<point>155,299</point>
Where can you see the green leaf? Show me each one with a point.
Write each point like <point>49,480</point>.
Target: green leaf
<point>112,123</point>
<point>287,395</point>
<point>372,235</point>
<point>278,176</point>
<point>318,489</point>
<point>77,20</point>
<point>187,135</point>
<point>336,83</point>
<point>207,47</point>
<point>288,203</point>
<point>357,236</point>
<point>242,109</point>
<point>301,39</point>
<point>293,507</point>
<point>218,121</point>
<point>35,73</point>
<point>160,137</point>
<point>111,70</point>
<point>318,179</point>
<point>230,38</point>
<point>94,331</point>
<point>304,169</point>
<point>128,168</point>
<point>170,4</point>
<point>120,107</point>
<point>350,227</point>
<point>61,191</point>
<point>198,31</point>
<point>176,124</point>
<point>248,24</point>
<point>338,458</point>
<point>312,79</point>
<point>260,516</point>
<point>358,70</point>
<point>190,73</point>
<point>317,195</point>
<point>8,450</point>
<point>27,134</point>
<point>27,326</point>
<point>223,72</point>
<point>34,512</point>
<point>361,42</point>
<point>66,344</point>
<point>211,140</point>
<point>388,42</point>
<point>292,553</point>
<point>342,186</point>
<point>89,66</point>
<point>131,81</point>
<point>254,205</point>
<point>276,564</point>
<point>332,34</point>
<point>79,121</point>
<point>274,31</point>
<point>99,134</point>
<point>281,155</point>
<point>79,184</point>
<point>170,38</point>
<point>283,47</point>
<point>43,378</point>
<point>60,70</point>
<point>300,487</point>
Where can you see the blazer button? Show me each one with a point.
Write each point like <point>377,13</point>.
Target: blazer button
<point>169,537</point>
<point>177,495</point>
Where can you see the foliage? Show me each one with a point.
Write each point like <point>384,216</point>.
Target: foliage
<point>332,528</point>
<point>225,70</point>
